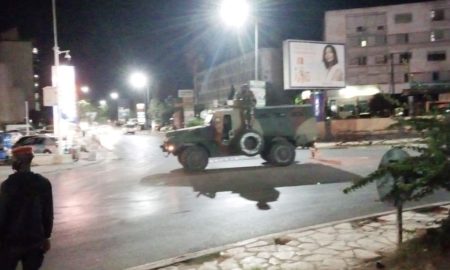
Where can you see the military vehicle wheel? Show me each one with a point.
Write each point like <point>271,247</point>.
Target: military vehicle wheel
<point>251,143</point>
<point>265,154</point>
<point>180,158</point>
<point>282,154</point>
<point>194,158</point>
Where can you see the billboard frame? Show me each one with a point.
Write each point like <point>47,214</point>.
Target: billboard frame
<point>287,65</point>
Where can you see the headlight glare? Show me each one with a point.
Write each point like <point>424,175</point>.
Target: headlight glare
<point>170,147</point>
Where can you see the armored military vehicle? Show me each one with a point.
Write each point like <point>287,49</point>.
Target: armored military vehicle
<point>272,132</point>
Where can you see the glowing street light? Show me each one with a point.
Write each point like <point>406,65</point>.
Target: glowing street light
<point>84,89</point>
<point>140,80</point>
<point>114,95</point>
<point>235,13</point>
<point>102,102</point>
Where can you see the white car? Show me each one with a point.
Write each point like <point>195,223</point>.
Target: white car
<point>131,128</point>
<point>41,144</point>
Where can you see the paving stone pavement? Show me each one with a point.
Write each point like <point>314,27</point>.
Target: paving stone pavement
<point>346,245</point>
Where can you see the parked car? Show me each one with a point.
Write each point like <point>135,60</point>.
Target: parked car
<point>46,130</point>
<point>131,128</point>
<point>15,136</point>
<point>41,144</point>
<point>22,128</point>
<point>132,121</point>
<point>5,146</point>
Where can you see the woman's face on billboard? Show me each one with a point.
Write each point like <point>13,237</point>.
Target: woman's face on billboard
<point>329,54</point>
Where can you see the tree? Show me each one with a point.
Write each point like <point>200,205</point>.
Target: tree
<point>419,175</point>
<point>162,111</point>
<point>85,108</point>
<point>156,109</point>
<point>382,105</point>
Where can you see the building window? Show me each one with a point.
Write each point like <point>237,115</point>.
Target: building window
<point>403,18</point>
<point>362,60</point>
<point>406,77</point>
<point>380,59</point>
<point>437,15</point>
<point>363,42</point>
<point>353,42</point>
<point>436,56</point>
<point>380,40</point>
<point>358,61</point>
<point>402,38</point>
<point>405,57</point>
<point>380,27</point>
<point>360,29</point>
<point>435,76</point>
<point>436,35</point>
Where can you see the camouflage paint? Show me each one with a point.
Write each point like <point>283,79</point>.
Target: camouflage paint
<point>296,123</point>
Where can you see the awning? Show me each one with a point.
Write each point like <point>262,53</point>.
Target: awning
<point>427,89</point>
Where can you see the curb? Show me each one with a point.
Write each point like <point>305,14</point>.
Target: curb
<point>343,144</point>
<point>193,255</point>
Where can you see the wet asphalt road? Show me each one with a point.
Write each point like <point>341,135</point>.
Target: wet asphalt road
<point>141,207</point>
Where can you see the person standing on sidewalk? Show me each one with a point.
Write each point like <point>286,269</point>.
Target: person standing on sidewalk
<point>26,214</point>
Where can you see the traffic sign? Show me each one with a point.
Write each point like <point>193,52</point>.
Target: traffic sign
<point>385,184</point>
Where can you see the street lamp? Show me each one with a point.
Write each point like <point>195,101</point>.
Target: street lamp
<point>115,107</point>
<point>140,80</point>
<point>102,103</point>
<point>84,89</point>
<point>235,13</point>
<point>114,95</point>
<point>57,129</point>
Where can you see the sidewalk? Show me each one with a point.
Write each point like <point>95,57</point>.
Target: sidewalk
<point>340,144</point>
<point>351,244</point>
<point>85,160</point>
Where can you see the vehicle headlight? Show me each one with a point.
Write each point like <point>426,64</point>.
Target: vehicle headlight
<point>170,147</point>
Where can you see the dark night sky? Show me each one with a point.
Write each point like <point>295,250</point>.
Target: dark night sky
<point>167,38</point>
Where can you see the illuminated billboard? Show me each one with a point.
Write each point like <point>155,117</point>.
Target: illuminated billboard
<point>64,79</point>
<point>313,65</point>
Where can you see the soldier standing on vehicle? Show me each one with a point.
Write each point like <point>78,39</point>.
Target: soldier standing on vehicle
<point>26,214</point>
<point>247,102</point>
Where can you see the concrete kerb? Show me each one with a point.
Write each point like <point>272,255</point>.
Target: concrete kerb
<point>323,145</point>
<point>198,254</point>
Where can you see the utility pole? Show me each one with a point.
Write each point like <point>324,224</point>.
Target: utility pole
<point>27,118</point>
<point>392,74</point>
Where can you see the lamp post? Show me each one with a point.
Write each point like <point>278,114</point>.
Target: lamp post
<point>56,52</point>
<point>234,13</point>
<point>140,80</point>
<point>115,107</point>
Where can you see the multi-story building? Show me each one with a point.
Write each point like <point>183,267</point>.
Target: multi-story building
<point>16,78</point>
<point>399,49</point>
<point>213,86</point>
